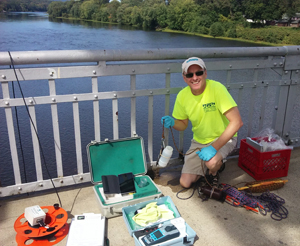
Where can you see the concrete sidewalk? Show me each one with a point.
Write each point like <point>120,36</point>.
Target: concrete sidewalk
<point>215,223</point>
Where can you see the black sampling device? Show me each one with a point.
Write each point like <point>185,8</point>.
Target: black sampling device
<point>123,183</point>
<point>126,183</point>
<point>160,235</point>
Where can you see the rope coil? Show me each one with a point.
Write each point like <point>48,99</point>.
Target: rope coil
<point>265,203</point>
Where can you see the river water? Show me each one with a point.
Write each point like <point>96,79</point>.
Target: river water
<point>34,31</point>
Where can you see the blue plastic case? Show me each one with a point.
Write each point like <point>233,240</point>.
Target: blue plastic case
<point>132,227</point>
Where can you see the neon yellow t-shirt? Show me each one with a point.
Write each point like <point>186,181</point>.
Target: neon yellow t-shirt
<point>205,111</point>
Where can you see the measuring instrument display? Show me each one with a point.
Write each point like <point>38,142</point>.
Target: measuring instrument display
<point>160,235</point>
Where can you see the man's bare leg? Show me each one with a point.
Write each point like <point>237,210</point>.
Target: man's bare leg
<point>187,179</point>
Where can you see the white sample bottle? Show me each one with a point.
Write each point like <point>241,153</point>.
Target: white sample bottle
<point>165,156</point>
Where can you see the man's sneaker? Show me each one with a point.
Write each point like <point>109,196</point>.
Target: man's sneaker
<point>200,182</point>
<point>213,180</point>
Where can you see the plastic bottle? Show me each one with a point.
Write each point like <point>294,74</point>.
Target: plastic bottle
<point>165,156</point>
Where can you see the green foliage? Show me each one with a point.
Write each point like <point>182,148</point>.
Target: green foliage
<point>87,9</point>
<point>216,29</point>
<point>132,3</point>
<point>254,9</point>
<point>292,38</point>
<point>222,7</point>
<point>75,10</point>
<point>112,8</point>
<point>187,23</point>
<point>101,15</point>
<point>149,17</point>
<point>162,15</point>
<point>194,24</point>
<point>136,16</point>
<point>99,2</point>
<point>214,17</point>
<point>240,20</point>
<point>232,33</point>
<point>177,13</point>
<point>291,7</point>
<point>56,9</point>
<point>199,24</point>
<point>203,30</point>
<point>124,14</point>
<point>104,14</point>
<point>259,10</point>
<point>275,35</point>
<point>24,5</point>
<point>210,18</point>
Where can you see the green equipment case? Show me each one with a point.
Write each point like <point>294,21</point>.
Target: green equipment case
<point>115,157</point>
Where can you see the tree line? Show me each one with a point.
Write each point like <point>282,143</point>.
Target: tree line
<point>24,5</point>
<point>225,18</point>
<point>176,14</point>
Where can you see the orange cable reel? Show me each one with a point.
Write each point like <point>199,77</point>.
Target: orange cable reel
<point>55,225</point>
<point>49,240</point>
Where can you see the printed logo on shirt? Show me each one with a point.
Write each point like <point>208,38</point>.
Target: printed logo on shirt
<point>209,107</point>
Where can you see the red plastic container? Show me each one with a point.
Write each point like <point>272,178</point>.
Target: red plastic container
<point>264,165</point>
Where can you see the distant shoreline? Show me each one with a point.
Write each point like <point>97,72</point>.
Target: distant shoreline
<point>189,33</point>
<point>224,38</point>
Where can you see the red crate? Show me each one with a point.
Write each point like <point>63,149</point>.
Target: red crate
<point>264,165</point>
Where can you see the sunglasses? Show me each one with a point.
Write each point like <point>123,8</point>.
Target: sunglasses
<point>190,75</point>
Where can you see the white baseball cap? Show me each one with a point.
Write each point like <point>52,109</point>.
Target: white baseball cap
<point>192,61</point>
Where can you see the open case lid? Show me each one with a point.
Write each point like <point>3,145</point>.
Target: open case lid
<point>114,157</point>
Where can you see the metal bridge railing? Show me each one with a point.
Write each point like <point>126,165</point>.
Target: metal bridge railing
<point>264,81</point>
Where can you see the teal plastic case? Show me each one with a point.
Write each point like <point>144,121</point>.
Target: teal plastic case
<point>129,212</point>
<point>114,157</point>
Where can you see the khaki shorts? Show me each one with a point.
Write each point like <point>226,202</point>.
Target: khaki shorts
<point>192,162</point>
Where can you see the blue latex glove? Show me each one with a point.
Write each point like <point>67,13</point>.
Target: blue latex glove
<point>207,153</point>
<point>169,121</point>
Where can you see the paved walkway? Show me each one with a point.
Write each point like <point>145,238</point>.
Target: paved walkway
<point>215,223</point>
